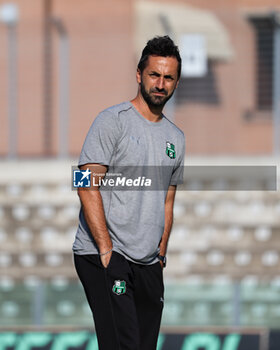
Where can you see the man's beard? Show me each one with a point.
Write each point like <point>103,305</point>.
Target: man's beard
<point>153,100</point>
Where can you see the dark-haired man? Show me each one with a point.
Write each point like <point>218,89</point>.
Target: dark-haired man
<point>121,242</point>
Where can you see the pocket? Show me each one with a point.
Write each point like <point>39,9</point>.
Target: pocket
<point>116,259</point>
<point>118,267</point>
<point>110,262</point>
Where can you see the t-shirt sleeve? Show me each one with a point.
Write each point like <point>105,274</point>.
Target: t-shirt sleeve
<point>101,140</point>
<point>178,171</point>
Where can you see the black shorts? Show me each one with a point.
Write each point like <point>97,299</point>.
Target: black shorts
<point>126,300</point>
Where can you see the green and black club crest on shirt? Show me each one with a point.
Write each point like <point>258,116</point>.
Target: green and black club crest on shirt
<point>119,287</point>
<point>170,150</point>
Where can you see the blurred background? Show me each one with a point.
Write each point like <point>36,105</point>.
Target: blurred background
<point>62,62</point>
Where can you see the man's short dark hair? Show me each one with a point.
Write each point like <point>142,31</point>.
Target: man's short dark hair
<point>160,46</point>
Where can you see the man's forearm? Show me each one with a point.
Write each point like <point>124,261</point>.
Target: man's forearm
<point>167,229</point>
<point>95,217</point>
<point>168,222</point>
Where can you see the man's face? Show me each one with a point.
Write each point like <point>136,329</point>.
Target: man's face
<point>158,80</point>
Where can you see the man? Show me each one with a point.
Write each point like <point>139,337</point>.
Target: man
<point>121,242</point>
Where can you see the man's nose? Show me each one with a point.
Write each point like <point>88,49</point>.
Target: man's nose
<point>160,83</point>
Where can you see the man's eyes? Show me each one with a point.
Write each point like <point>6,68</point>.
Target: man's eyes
<point>168,78</point>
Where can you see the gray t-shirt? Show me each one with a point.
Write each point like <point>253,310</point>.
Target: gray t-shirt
<point>121,137</point>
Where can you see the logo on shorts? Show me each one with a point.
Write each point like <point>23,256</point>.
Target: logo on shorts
<point>119,287</point>
<point>81,178</point>
<point>170,150</point>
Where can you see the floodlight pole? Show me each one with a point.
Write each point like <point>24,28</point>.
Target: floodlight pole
<point>13,93</point>
<point>276,84</point>
<point>47,78</point>
<point>63,143</point>
<point>9,16</point>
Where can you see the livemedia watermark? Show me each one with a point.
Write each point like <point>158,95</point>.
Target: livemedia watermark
<point>187,178</point>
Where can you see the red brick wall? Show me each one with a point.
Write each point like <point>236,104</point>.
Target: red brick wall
<point>29,68</point>
<point>222,129</point>
<point>101,68</point>
<point>102,73</point>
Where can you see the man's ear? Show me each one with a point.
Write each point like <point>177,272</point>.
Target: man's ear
<point>138,76</point>
<point>177,83</point>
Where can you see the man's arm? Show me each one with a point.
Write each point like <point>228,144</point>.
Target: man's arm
<point>169,203</point>
<point>93,209</point>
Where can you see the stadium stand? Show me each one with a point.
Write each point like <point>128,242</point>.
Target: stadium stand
<point>223,242</point>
